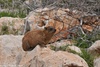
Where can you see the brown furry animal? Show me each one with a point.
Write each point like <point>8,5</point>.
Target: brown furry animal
<point>37,37</point>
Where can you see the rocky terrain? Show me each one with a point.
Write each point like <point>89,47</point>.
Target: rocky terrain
<point>11,54</point>
<point>76,42</point>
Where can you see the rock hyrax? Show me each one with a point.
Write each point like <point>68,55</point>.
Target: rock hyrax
<point>37,37</point>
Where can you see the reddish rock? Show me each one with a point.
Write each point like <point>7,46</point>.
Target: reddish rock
<point>87,27</point>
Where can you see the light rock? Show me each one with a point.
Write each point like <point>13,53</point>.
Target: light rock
<point>14,24</point>
<point>10,49</point>
<point>12,55</point>
<point>74,48</point>
<point>97,62</point>
<point>60,43</point>
<point>95,48</point>
<point>87,27</point>
<point>47,58</point>
<point>12,21</point>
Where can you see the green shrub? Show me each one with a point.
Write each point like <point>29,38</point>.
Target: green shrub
<point>85,41</point>
<point>87,57</point>
<point>15,8</point>
<point>13,14</point>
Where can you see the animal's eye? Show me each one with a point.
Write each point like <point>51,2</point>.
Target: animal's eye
<point>51,29</point>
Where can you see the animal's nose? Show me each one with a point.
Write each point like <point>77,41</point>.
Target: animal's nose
<point>51,29</point>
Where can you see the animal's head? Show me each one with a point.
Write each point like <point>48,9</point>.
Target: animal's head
<point>50,29</point>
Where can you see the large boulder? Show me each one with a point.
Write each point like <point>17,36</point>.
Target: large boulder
<point>97,62</point>
<point>12,54</point>
<point>60,19</point>
<point>13,24</point>
<point>95,48</point>
<point>10,49</point>
<point>65,21</point>
<point>95,51</point>
<point>48,58</point>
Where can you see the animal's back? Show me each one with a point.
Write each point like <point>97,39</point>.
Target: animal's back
<point>31,39</point>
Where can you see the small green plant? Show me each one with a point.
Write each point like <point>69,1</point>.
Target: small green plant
<point>62,48</point>
<point>71,51</point>
<point>4,30</point>
<point>52,47</point>
<point>85,41</point>
<point>87,57</point>
<point>8,29</point>
<point>82,42</point>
